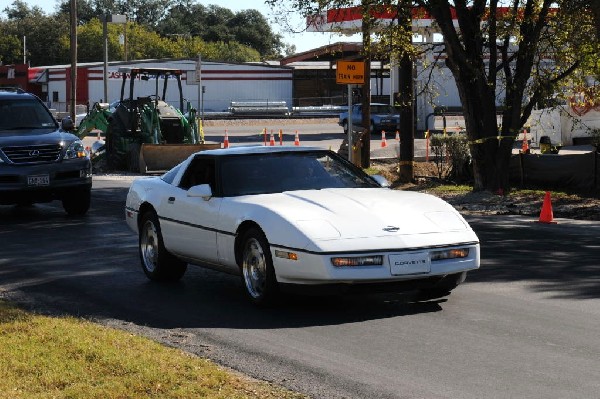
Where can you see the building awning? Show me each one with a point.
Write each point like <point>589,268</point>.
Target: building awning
<point>37,75</point>
<point>330,52</point>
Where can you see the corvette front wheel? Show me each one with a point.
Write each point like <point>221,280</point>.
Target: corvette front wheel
<point>158,263</point>
<point>258,273</point>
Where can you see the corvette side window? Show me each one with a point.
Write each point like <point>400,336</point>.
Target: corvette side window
<point>200,171</point>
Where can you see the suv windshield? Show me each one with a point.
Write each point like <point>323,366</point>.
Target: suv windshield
<point>24,114</point>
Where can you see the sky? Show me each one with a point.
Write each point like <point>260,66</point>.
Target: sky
<point>303,41</point>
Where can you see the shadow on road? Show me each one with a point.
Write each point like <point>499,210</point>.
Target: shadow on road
<point>89,267</point>
<point>561,259</point>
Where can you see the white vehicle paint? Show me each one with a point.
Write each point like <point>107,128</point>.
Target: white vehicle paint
<point>402,229</point>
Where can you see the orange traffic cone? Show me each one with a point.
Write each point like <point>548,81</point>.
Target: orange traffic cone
<point>383,140</point>
<point>546,215</point>
<point>226,140</point>
<point>280,137</point>
<point>296,139</point>
<point>397,135</point>
<point>525,146</point>
<point>272,141</point>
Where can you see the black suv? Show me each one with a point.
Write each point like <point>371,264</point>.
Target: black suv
<point>40,161</point>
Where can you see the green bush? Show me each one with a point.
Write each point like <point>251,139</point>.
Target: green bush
<point>451,156</point>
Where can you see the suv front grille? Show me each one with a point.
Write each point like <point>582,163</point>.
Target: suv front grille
<point>33,154</point>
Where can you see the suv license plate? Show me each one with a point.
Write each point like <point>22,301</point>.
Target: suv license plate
<point>410,263</point>
<point>39,180</point>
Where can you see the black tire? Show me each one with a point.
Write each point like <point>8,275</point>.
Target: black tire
<point>158,264</point>
<point>258,274</point>
<point>77,203</point>
<point>443,288</point>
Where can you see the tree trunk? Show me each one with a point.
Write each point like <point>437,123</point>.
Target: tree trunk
<point>407,125</point>
<point>465,59</point>
<point>407,134</point>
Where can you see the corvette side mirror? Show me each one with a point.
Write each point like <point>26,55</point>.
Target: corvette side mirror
<point>382,181</point>
<point>203,191</point>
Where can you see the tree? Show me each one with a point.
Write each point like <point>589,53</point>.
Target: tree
<point>525,61</point>
<point>48,40</point>
<point>217,24</point>
<point>11,51</point>
<point>43,34</point>
<point>85,10</point>
<point>505,57</point>
<point>251,28</point>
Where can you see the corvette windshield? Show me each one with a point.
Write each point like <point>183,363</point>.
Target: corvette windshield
<point>279,172</point>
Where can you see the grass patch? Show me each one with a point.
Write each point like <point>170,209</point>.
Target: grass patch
<point>450,189</point>
<point>64,357</point>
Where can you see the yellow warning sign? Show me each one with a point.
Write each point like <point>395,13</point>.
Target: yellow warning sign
<point>350,72</point>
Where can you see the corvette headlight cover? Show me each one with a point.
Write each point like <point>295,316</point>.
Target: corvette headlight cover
<point>375,260</point>
<point>450,254</point>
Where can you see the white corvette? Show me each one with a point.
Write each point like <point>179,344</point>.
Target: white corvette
<point>297,217</point>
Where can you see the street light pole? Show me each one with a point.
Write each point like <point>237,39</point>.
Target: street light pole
<point>105,48</point>
<point>115,19</point>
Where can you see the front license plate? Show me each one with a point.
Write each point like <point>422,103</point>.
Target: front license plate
<point>39,180</point>
<point>410,263</point>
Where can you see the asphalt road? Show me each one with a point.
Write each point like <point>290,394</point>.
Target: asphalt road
<point>526,325</point>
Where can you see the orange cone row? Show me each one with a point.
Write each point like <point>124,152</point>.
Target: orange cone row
<point>271,141</point>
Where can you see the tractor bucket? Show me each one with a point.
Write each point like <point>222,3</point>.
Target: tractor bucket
<point>158,158</point>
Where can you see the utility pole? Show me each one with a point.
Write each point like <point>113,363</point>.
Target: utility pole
<point>365,152</point>
<point>115,19</point>
<point>73,59</point>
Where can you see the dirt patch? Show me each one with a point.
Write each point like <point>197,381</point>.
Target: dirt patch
<point>517,202</point>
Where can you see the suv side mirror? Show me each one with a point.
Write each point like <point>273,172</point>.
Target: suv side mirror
<point>67,124</point>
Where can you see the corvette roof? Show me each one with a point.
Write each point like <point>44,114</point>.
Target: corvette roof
<point>259,149</point>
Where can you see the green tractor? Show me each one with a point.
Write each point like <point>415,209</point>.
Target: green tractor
<point>147,134</point>
<point>96,119</point>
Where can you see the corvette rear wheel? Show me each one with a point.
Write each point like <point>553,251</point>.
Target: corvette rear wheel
<point>158,264</point>
<point>257,268</point>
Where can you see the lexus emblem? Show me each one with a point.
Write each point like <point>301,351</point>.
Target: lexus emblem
<point>34,153</point>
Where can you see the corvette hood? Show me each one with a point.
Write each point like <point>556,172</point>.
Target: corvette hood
<point>333,214</point>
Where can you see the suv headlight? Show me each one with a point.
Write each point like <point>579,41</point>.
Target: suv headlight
<point>76,150</point>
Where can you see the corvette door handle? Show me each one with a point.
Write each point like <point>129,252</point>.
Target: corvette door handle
<point>171,200</point>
